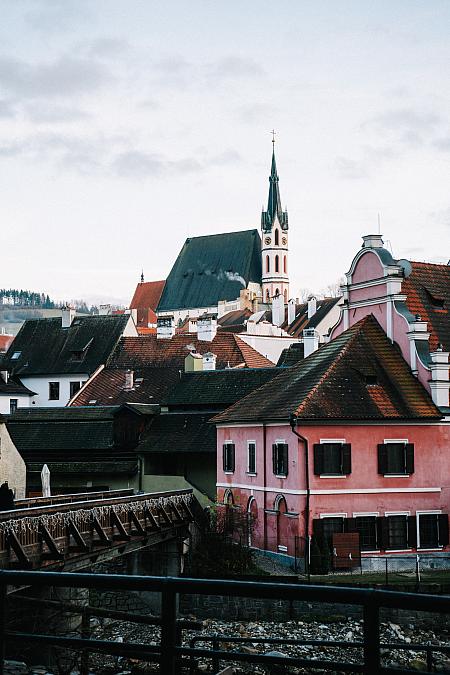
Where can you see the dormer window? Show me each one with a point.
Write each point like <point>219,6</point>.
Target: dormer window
<point>79,354</point>
<point>371,379</point>
<point>15,356</point>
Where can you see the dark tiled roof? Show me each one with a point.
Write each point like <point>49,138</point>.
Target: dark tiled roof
<point>234,321</point>
<point>301,320</point>
<point>149,351</point>
<point>102,467</point>
<point>217,388</point>
<point>14,386</point>
<point>179,432</point>
<point>291,355</point>
<point>358,375</point>
<point>151,385</point>
<point>145,300</point>
<point>45,347</point>
<point>210,268</point>
<point>427,291</point>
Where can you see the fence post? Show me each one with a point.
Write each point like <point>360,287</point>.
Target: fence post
<point>85,634</point>
<point>371,614</point>
<point>168,631</point>
<point>386,573</point>
<point>2,626</point>
<point>215,659</point>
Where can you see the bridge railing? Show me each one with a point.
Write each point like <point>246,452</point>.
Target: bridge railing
<point>173,656</point>
<point>30,502</point>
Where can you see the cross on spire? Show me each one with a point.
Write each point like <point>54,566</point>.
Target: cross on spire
<point>273,132</point>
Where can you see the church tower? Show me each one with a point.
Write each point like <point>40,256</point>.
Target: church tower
<point>274,235</point>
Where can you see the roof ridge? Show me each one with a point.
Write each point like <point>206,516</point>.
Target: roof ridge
<point>423,262</point>
<point>337,360</point>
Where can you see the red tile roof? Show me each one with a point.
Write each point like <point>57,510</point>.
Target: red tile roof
<point>145,300</point>
<point>358,375</point>
<point>427,291</point>
<point>5,342</point>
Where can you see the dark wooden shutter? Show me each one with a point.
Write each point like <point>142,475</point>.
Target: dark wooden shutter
<point>382,458</point>
<point>318,527</point>
<point>383,539</point>
<point>224,456</point>
<point>318,459</point>
<point>412,532</point>
<point>346,459</point>
<point>285,450</point>
<point>443,529</point>
<point>350,525</point>
<point>379,527</point>
<point>232,457</point>
<point>409,458</point>
<point>275,458</point>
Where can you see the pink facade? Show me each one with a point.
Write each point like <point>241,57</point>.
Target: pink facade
<point>278,504</point>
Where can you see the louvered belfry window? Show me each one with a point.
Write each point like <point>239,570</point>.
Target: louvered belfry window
<point>280,459</point>
<point>395,458</point>
<point>228,456</point>
<point>332,459</point>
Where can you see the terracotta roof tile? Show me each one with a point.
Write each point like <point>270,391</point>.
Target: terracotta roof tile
<point>145,300</point>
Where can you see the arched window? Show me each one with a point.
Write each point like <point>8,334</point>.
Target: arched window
<point>277,264</point>
<point>277,292</point>
<point>282,524</point>
<point>267,296</point>
<point>277,238</point>
<point>285,295</point>
<point>228,498</point>
<point>252,518</point>
<point>285,264</point>
<point>267,264</point>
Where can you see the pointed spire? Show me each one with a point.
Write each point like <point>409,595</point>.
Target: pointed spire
<point>274,207</point>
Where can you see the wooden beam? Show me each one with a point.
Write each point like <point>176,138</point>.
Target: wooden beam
<point>102,536</point>
<point>73,530</point>
<point>186,507</point>
<point>53,551</point>
<point>116,522</point>
<point>177,513</point>
<point>13,542</point>
<point>135,520</point>
<point>154,525</point>
<point>165,515</point>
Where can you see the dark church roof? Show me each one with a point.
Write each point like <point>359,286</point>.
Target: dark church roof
<point>212,268</point>
<point>358,375</point>
<point>43,347</point>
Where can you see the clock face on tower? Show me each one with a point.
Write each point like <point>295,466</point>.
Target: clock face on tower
<point>284,241</point>
<point>267,240</point>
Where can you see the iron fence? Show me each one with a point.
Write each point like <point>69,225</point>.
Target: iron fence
<point>175,657</point>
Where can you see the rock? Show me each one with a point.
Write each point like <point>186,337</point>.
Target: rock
<point>349,635</point>
<point>418,664</point>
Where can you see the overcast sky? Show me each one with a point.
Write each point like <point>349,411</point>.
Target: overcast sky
<point>127,125</point>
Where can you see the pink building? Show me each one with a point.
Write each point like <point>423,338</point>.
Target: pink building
<point>347,440</point>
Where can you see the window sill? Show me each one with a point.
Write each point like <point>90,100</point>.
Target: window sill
<point>229,473</point>
<point>333,475</point>
<point>278,476</point>
<point>250,473</point>
<point>376,550</point>
<point>398,550</point>
<point>436,548</point>
<point>281,548</point>
<point>396,475</point>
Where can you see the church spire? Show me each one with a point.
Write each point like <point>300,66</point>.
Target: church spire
<point>274,208</point>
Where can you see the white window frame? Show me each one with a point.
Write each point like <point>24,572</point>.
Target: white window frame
<point>332,440</point>
<point>333,515</point>
<point>251,473</point>
<point>363,514</point>
<point>387,514</point>
<point>429,512</point>
<point>282,441</point>
<point>230,442</point>
<point>388,441</point>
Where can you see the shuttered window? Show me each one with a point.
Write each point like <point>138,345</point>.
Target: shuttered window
<point>332,459</point>
<point>251,460</point>
<point>395,458</point>
<point>433,530</point>
<point>228,457</point>
<point>280,459</point>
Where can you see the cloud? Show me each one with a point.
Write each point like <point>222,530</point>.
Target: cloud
<point>105,47</point>
<point>224,158</point>
<point>442,144</point>
<point>351,169</point>
<point>254,113</point>
<point>233,68</point>
<point>48,113</point>
<point>7,109</point>
<point>136,164</point>
<point>408,126</point>
<point>54,16</point>
<point>372,158</point>
<point>66,76</point>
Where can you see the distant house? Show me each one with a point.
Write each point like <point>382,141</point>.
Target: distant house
<point>345,440</point>
<point>13,394</point>
<point>54,357</point>
<point>145,301</point>
<point>411,301</point>
<point>12,466</point>
<point>84,448</point>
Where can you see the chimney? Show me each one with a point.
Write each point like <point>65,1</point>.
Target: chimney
<point>291,310</point>
<point>193,362</point>
<point>4,375</point>
<point>165,327</point>
<point>67,316</point>
<point>312,307</point>
<point>192,326</point>
<point>209,361</point>
<point>439,384</point>
<point>417,334</point>
<point>373,241</point>
<point>278,310</point>
<point>207,327</point>
<point>310,341</point>
<point>104,310</point>
<point>129,380</point>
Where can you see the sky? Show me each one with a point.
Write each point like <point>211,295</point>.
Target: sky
<point>128,125</point>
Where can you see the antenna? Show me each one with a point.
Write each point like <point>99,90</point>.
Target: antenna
<point>379,223</point>
<point>273,132</point>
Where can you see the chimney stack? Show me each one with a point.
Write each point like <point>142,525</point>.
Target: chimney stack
<point>312,306</point>
<point>67,316</point>
<point>104,310</point>
<point>207,327</point>
<point>373,241</point>
<point>193,362</point>
<point>439,385</point>
<point>278,310</point>
<point>291,310</point>
<point>129,380</point>
<point>165,327</point>
<point>310,341</point>
<point>209,361</point>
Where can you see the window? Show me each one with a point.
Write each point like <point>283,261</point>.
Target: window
<point>368,534</point>
<point>74,387</point>
<point>277,237</point>
<point>277,264</point>
<point>228,457</point>
<point>53,391</point>
<point>267,263</point>
<point>13,405</point>
<point>397,532</point>
<point>329,526</point>
<point>284,265</point>
<point>251,457</point>
<point>280,459</point>
<point>15,356</point>
<point>396,458</point>
<point>332,459</point>
<point>432,530</point>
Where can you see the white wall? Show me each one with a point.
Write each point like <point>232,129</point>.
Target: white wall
<point>12,466</point>
<point>39,384</point>
<point>23,401</point>
<point>270,347</point>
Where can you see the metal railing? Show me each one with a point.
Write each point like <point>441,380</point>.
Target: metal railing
<point>173,656</point>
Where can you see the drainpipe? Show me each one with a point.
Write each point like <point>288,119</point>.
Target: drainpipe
<point>293,420</point>
<point>265,485</point>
